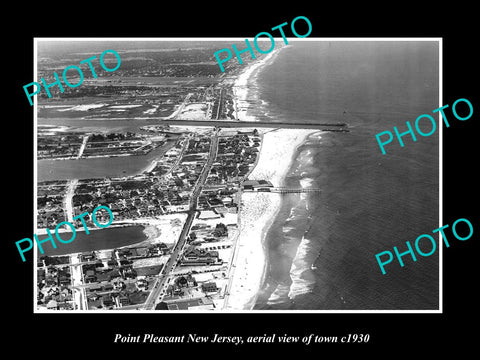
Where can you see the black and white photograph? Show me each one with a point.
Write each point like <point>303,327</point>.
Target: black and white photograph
<point>213,179</point>
<point>261,187</point>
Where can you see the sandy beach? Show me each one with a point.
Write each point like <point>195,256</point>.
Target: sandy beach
<point>150,167</point>
<point>258,210</point>
<point>257,214</point>
<point>163,229</point>
<point>240,86</point>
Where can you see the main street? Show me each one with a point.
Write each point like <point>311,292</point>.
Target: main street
<point>161,281</point>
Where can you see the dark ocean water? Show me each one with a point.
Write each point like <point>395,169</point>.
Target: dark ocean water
<point>321,248</point>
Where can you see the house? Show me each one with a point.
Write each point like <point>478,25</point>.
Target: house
<point>214,202</point>
<point>123,300</point>
<point>227,200</point>
<point>107,301</point>
<point>208,214</point>
<point>103,276</point>
<point>163,248</point>
<point>65,306</point>
<point>64,280</point>
<point>209,287</point>
<point>125,262</point>
<point>194,304</point>
<point>51,280</point>
<point>255,184</point>
<point>141,284</point>
<point>88,257</point>
<point>112,262</point>
<point>119,285</point>
<point>220,230</point>
<point>199,257</point>
<point>191,280</point>
<point>248,185</point>
<point>90,276</point>
<point>185,281</point>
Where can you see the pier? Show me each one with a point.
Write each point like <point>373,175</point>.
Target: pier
<point>283,190</point>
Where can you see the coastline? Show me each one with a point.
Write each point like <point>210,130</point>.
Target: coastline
<point>257,214</point>
<point>241,88</point>
<point>149,167</point>
<point>259,209</point>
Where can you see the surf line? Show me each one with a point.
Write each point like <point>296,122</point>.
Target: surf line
<point>255,42</point>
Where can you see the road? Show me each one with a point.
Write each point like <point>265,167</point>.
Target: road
<point>180,108</point>
<point>79,293</point>
<point>176,253</point>
<point>68,203</point>
<point>82,147</point>
<point>179,157</point>
<point>220,102</point>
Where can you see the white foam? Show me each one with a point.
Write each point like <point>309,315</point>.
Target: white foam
<point>258,212</point>
<point>243,84</point>
<point>279,295</point>
<point>306,182</point>
<point>300,265</point>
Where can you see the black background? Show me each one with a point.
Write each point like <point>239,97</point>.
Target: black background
<point>92,334</point>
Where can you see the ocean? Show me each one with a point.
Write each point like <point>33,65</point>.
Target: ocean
<point>321,247</point>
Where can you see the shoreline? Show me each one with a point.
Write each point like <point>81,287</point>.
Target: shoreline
<point>259,210</point>
<point>258,213</point>
<point>149,168</point>
<point>87,157</point>
<point>240,85</point>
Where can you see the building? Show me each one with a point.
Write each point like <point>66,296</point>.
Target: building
<point>256,184</point>
<point>199,257</point>
<point>191,304</point>
<point>142,284</point>
<point>209,287</point>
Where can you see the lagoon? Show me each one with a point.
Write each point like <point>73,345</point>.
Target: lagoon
<point>48,169</point>
<point>100,239</point>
